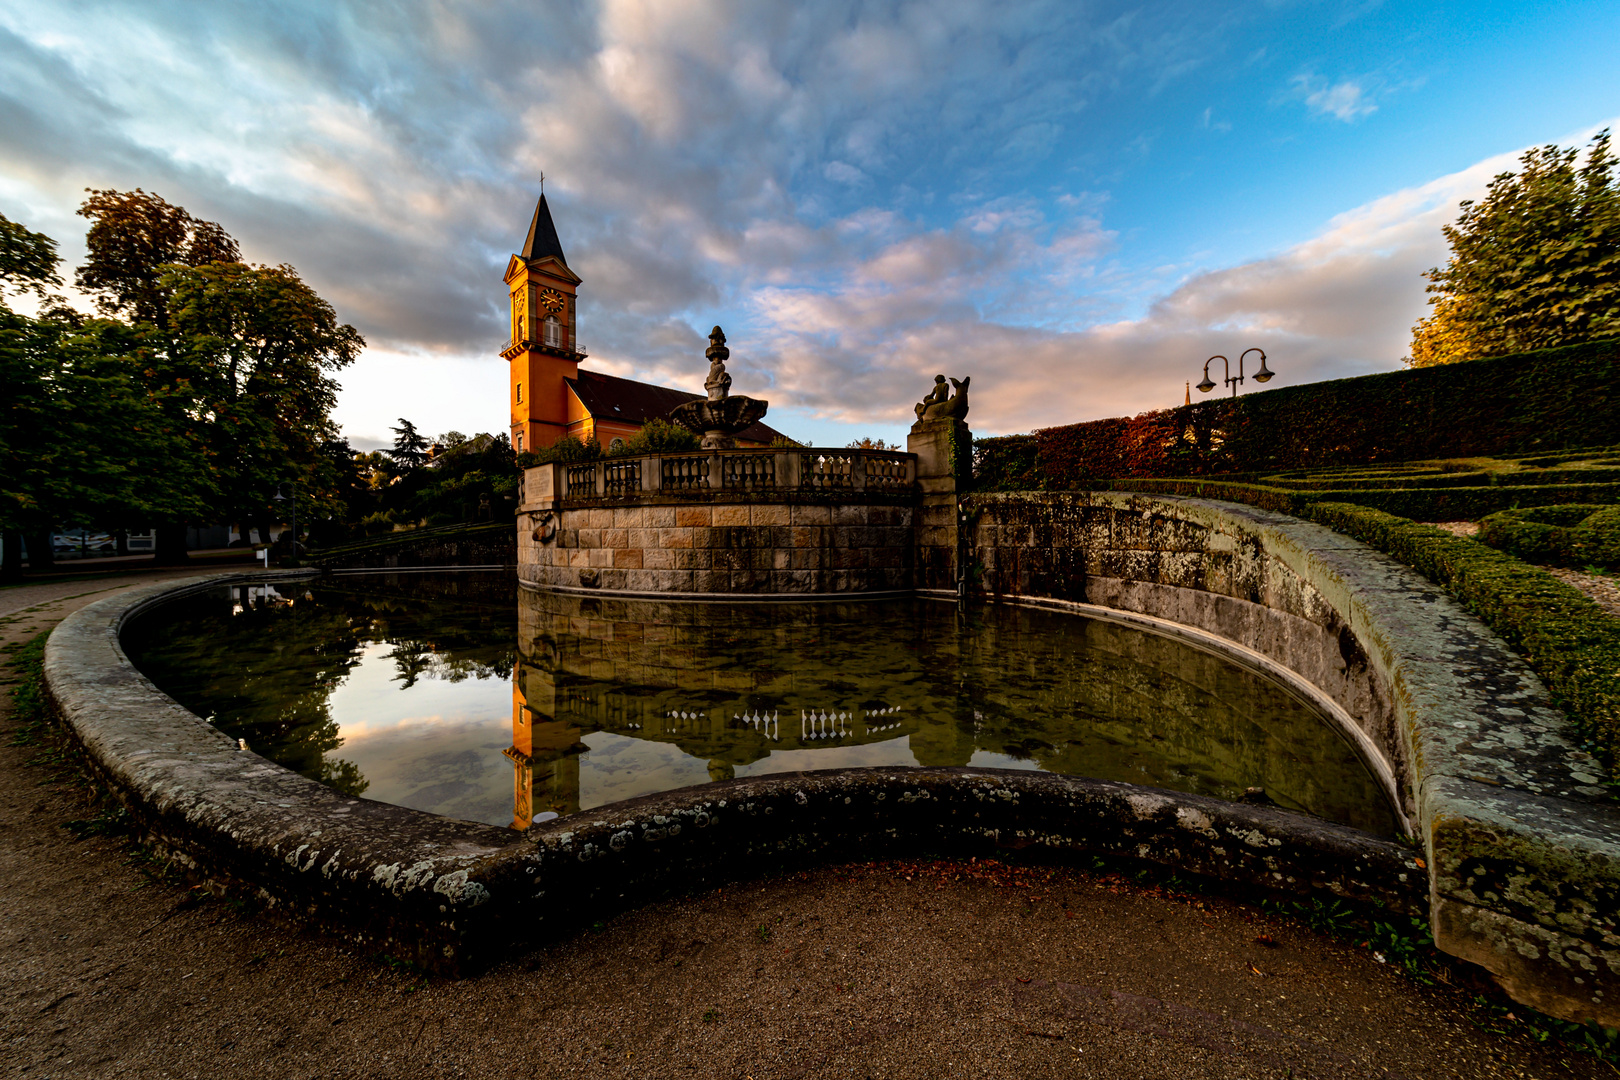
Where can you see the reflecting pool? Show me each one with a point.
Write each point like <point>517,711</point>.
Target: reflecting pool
<point>462,694</point>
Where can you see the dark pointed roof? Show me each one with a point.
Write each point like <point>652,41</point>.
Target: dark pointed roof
<point>542,240</point>
<point>608,397</point>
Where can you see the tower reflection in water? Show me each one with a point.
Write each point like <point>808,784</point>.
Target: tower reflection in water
<point>389,685</point>
<point>616,698</point>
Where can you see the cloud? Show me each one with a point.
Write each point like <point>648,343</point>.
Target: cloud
<point>1336,305</point>
<point>847,185</point>
<point>1345,100</point>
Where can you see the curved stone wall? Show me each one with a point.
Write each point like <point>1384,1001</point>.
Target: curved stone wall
<point>1521,842</point>
<point>455,895</point>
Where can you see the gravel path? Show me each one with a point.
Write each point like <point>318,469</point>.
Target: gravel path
<point>889,970</point>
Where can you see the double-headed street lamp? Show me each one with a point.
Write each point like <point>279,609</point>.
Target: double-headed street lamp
<point>1263,375</point>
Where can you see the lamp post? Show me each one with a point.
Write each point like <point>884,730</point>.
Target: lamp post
<point>1263,375</point>
<point>292,504</point>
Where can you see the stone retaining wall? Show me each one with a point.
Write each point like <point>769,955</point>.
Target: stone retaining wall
<point>747,544</point>
<point>456,896</point>
<point>1521,845</point>
<point>1521,842</point>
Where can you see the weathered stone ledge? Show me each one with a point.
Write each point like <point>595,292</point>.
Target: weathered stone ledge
<point>1521,843</point>
<point>456,895</point>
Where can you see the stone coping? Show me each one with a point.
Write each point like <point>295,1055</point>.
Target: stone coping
<point>1521,843</point>
<point>457,895</point>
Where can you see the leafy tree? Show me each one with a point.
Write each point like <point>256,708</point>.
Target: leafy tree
<point>28,260</point>
<point>132,238</point>
<point>869,443</point>
<point>61,461</point>
<point>254,345</point>
<point>1534,264</point>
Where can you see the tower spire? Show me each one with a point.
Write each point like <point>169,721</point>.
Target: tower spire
<point>542,239</point>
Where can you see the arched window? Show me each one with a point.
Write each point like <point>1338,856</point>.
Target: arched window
<point>616,445</point>
<point>553,330</point>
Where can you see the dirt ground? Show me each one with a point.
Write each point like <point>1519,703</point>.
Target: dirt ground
<point>889,970</point>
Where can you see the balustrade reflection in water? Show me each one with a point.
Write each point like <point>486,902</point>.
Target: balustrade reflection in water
<point>461,694</point>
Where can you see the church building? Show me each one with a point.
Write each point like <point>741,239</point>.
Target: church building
<point>549,393</point>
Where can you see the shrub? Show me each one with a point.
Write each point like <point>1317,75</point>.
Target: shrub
<point>1571,534</point>
<point>656,437</point>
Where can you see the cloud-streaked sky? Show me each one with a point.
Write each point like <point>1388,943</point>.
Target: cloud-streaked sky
<point>1073,202</point>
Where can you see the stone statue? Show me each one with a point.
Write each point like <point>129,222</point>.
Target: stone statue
<point>721,416</point>
<point>940,405</point>
<point>718,384</point>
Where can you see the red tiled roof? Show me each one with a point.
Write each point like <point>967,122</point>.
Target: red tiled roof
<point>608,397</point>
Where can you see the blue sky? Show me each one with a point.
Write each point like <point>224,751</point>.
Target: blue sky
<point>1075,203</point>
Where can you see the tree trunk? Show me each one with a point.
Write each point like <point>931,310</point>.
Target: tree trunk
<point>11,556</point>
<point>171,545</point>
<point>121,538</point>
<point>41,556</point>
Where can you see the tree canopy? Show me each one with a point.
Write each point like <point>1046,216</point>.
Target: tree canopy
<point>201,386</point>
<point>1534,264</point>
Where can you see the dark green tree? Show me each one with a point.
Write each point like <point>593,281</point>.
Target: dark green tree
<point>1534,264</point>
<point>410,447</point>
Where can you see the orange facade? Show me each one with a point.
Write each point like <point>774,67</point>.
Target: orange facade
<point>543,349</point>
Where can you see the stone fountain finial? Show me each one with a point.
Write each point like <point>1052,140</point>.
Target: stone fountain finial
<point>718,384</point>
<point>721,416</point>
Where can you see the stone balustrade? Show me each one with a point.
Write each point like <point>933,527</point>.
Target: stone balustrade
<point>794,520</point>
<point>712,474</point>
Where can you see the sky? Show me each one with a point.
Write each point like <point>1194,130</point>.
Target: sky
<point>1073,203</point>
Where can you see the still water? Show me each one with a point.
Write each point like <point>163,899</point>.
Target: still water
<point>461,694</point>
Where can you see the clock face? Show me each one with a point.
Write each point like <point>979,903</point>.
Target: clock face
<point>551,300</point>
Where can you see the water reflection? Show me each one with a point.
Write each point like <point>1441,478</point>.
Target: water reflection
<point>459,694</point>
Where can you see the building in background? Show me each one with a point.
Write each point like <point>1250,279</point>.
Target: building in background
<point>549,395</point>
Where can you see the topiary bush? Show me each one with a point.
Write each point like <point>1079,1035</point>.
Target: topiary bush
<point>1567,534</point>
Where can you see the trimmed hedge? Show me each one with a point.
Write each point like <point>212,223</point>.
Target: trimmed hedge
<point>1568,640</point>
<point>1422,504</point>
<point>1542,401</point>
<point>1575,534</point>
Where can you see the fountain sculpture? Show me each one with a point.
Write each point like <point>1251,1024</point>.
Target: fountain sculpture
<point>720,416</point>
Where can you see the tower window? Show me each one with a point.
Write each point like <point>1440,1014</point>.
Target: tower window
<point>553,330</point>
<point>519,447</point>
<point>520,393</point>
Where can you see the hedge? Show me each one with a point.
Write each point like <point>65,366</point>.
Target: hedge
<point>1578,534</point>
<point>1534,402</point>
<point>1568,640</point>
<point>1423,504</point>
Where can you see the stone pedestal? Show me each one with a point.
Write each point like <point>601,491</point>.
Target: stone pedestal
<point>944,450</point>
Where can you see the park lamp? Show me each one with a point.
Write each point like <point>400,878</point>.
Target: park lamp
<point>1263,375</point>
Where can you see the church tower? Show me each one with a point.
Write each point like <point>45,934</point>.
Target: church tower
<point>543,350</point>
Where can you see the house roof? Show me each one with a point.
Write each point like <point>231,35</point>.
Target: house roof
<point>608,397</point>
<point>542,239</point>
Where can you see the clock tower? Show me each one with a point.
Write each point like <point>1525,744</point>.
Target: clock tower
<point>543,349</point>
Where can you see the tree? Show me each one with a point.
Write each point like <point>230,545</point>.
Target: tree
<point>1534,264</point>
<point>132,238</point>
<point>410,447</point>
<point>869,443</point>
<point>28,260</point>
<point>254,345</point>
